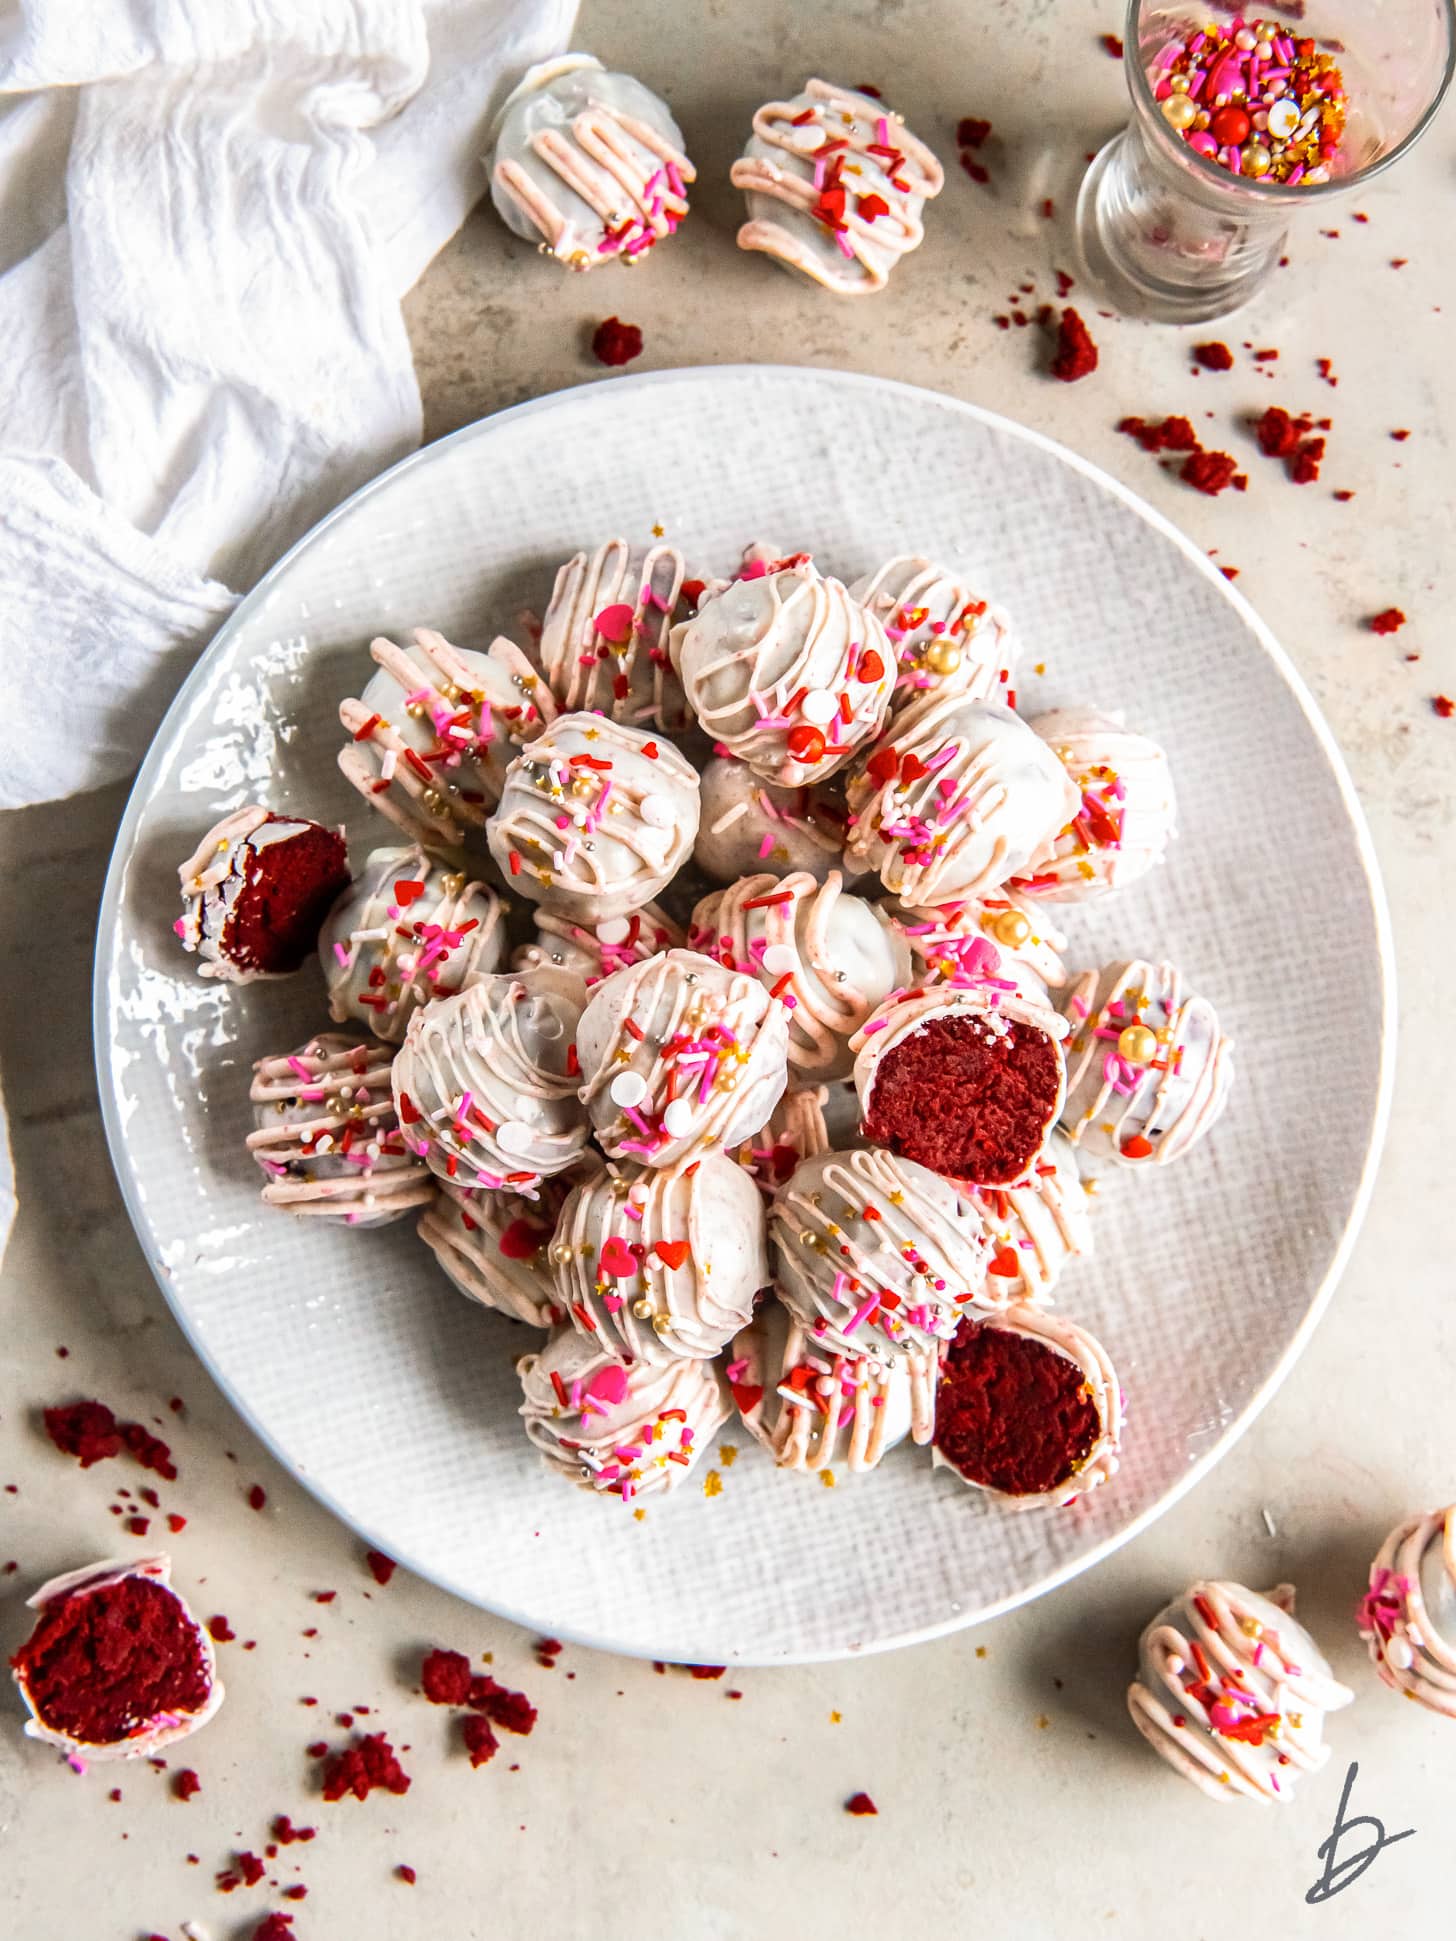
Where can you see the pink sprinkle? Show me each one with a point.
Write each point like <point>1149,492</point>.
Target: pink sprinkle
<point>765,848</point>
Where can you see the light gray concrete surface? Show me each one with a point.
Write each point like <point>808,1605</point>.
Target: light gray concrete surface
<point>1014,1797</point>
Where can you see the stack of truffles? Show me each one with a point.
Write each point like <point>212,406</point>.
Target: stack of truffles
<point>708,1011</point>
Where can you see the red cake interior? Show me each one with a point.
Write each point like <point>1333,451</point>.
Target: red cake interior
<point>290,889</point>
<point>967,1099</point>
<point>101,1665</point>
<point>1011,1413</point>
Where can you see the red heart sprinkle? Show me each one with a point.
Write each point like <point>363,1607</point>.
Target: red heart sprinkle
<point>883,766</point>
<point>1005,1263</point>
<point>614,624</point>
<point>649,749</point>
<point>521,1241</point>
<point>912,768</point>
<point>672,1253</point>
<point>617,1259</point>
<point>871,665</point>
<point>1137,1147</point>
<point>608,1385</point>
<point>746,1396</point>
<point>408,892</point>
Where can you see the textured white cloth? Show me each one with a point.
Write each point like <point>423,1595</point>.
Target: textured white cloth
<point>209,210</point>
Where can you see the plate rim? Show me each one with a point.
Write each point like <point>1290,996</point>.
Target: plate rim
<point>257,599</point>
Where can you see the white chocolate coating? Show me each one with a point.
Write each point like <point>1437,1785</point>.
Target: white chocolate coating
<point>951,941</point>
<point>215,875</point>
<point>849,242</point>
<point>595,818</point>
<point>661,1264</point>
<point>1161,1109</point>
<point>991,1003</point>
<point>814,1409</point>
<point>587,163</point>
<point>486,1081</point>
<point>433,733</point>
<point>1259,1665</point>
<point>1408,1616</point>
<point>770,663</point>
<point>496,1247</point>
<point>797,1128</point>
<point>985,797</point>
<point>152,1735</point>
<point>604,639</point>
<point>328,1138</point>
<point>1127,814</point>
<point>385,954</point>
<point>840,954</point>
<point>594,951</point>
<point>680,1057</point>
<point>624,1432</point>
<point>749,825</point>
<point>850,1228</point>
<point>1099,1379</point>
<point>948,638</point>
<point>1037,1227</point>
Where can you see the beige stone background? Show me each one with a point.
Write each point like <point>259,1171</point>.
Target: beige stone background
<point>1014,1798</point>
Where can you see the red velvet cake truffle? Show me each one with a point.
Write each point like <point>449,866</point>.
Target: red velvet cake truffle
<point>117,1666</point>
<point>256,893</point>
<point>965,1078</point>
<point>1028,1408</point>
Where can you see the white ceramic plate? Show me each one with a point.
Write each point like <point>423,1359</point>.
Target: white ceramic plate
<point>389,1395</point>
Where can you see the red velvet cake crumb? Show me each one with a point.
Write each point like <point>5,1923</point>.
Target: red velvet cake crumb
<point>1011,1413</point>
<point>86,1430</point>
<point>480,1741</point>
<point>275,1927</point>
<point>615,343</point>
<point>186,1785</point>
<point>511,1711</point>
<point>445,1677</point>
<point>406,1874</point>
<point>381,1568</point>
<point>289,889</point>
<point>1076,354</point>
<point>361,1769</point>
<point>860,1804</point>
<point>103,1664</point>
<point>966,1100</point>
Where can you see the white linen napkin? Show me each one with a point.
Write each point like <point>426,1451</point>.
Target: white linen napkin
<point>209,211</point>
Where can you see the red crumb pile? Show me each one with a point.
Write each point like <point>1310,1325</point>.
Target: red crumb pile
<point>1011,1413</point>
<point>1076,354</point>
<point>965,1100</point>
<point>366,1767</point>
<point>290,888</point>
<point>102,1664</point>
<point>615,343</point>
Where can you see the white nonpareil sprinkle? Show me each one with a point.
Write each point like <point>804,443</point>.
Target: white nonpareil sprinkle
<point>613,930</point>
<point>819,706</point>
<point>628,1088</point>
<point>677,1118</point>
<point>656,811</point>
<point>514,1137</point>
<point>779,958</point>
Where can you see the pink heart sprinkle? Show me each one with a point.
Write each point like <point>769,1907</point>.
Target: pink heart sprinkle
<point>614,624</point>
<point>608,1385</point>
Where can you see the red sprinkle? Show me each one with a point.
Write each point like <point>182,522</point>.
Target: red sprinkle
<point>615,343</point>
<point>860,1804</point>
<point>1076,354</point>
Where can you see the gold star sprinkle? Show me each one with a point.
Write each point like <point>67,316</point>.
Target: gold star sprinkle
<point>712,1484</point>
<point>657,532</point>
<point>826,1477</point>
<point>980,1651</point>
<point>835,1718</point>
<point>640,1515</point>
<point>728,1454</point>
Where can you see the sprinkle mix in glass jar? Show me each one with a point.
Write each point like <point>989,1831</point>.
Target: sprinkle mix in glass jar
<point>1253,99</point>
